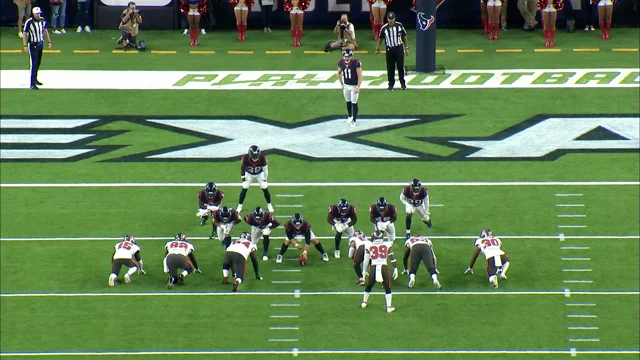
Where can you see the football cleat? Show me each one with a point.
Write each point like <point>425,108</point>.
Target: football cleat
<point>349,119</point>
<point>127,278</point>
<point>203,221</point>
<point>343,206</point>
<point>503,276</point>
<point>363,305</point>
<point>254,152</point>
<point>265,258</point>
<point>336,254</point>
<point>360,282</point>
<point>415,186</point>
<point>170,283</point>
<point>112,280</point>
<point>381,204</point>
<point>390,309</point>
<point>325,257</point>
<point>235,286</point>
<point>279,259</point>
<point>352,124</point>
<point>429,224</point>
<point>180,279</point>
<point>225,281</point>
<point>270,207</point>
<point>412,281</point>
<point>436,283</point>
<point>407,237</point>
<point>494,281</point>
<point>213,234</point>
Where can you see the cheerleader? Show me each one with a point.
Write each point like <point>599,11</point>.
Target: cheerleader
<point>493,9</point>
<point>373,28</point>
<point>549,12</point>
<point>241,10</point>
<point>193,8</point>
<point>296,10</point>
<point>484,16</point>
<point>379,8</point>
<point>605,14</point>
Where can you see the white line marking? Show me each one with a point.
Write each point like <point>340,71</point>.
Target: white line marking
<point>284,316</point>
<point>565,195</point>
<point>436,205</point>
<point>283,216</point>
<point>582,327</point>
<point>289,195</point>
<point>286,270</point>
<point>585,340</point>
<point>561,236</point>
<point>285,305</point>
<point>575,259</point>
<point>285,340</point>
<point>571,215</point>
<point>570,205</point>
<point>582,316</point>
<point>284,328</point>
<point>576,270</point>
<point>330,184</point>
<point>316,293</point>
<point>574,248</point>
<point>326,352</point>
<point>286,281</point>
<point>573,226</point>
<point>577,281</point>
<point>580,304</point>
<point>448,237</point>
<point>290,205</point>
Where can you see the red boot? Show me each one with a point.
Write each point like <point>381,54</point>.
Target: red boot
<point>496,30</point>
<point>546,38</point>
<point>298,37</point>
<point>239,29</point>
<point>373,26</point>
<point>294,33</point>
<point>552,37</point>
<point>603,31</point>
<point>607,28</point>
<point>191,37</point>
<point>485,25</point>
<point>243,32</point>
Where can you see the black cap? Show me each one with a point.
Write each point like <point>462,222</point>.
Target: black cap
<point>391,16</point>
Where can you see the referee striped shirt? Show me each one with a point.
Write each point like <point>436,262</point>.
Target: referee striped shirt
<point>393,34</point>
<point>35,29</point>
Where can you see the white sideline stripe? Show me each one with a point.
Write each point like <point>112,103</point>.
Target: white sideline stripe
<point>576,270</point>
<point>316,293</point>
<point>289,205</point>
<point>286,281</point>
<point>283,216</point>
<point>582,327</point>
<point>334,184</point>
<point>436,205</point>
<point>585,340</point>
<point>578,281</point>
<point>582,316</point>
<point>286,270</point>
<point>289,195</point>
<point>284,328</point>
<point>570,205</point>
<point>283,340</point>
<point>285,305</point>
<point>284,316</point>
<point>574,259</point>
<point>564,195</point>
<point>453,237</point>
<point>580,304</point>
<point>574,247</point>
<point>327,352</point>
<point>572,215</point>
<point>572,226</point>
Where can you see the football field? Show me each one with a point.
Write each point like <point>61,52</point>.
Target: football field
<point>542,147</point>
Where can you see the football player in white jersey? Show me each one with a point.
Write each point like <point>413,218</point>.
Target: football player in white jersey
<point>497,262</point>
<point>379,251</point>
<point>357,253</point>
<point>419,248</point>
<point>236,257</point>
<point>125,253</point>
<point>179,255</point>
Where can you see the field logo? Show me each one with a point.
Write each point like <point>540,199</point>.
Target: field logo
<point>423,22</point>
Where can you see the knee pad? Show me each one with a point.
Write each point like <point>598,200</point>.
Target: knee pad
<point>264,185</point>
<point>245,185</point>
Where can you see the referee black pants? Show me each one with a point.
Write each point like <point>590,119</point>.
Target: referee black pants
<point>35,57</point>
<point>395,57</point>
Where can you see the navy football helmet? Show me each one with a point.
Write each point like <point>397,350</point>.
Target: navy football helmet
<point>225,214</point>
<point>381,204</point>
<point>211,189</point>
<point>254,152</point>
<point>258,213</point>
<point>297,220</point>
<point>343,206</point>
<point>415,186</point>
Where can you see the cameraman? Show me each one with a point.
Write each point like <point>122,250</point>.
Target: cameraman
<point>129,25</point>
<point>346,36</point>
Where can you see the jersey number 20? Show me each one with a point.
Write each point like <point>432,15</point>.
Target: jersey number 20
<point>378,251</point>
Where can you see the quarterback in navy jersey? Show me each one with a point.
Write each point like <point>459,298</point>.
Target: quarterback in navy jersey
<point>253,166</point>
<point>350,77</point>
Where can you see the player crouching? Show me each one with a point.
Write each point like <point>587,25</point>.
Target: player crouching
<point>223,220</point>
<point>262,223</point>
<point>419,248</point>
<point>209,201</point>
<point>497,262</point>
<point>179,255</point>
<point>356,252</point>
<point>297,226</point>
<point>378,251</point>
<point>236,257</point>
<point>126,253</point>
<point>342,216</point>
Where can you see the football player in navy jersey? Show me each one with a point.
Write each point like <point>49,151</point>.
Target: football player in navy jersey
<point>342,216</point>
<point>350,77</point>
<point>415,199</point>
<point>254,166</point>
<point>209,200</point>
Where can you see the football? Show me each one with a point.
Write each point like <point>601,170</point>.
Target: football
<point>302,260</point>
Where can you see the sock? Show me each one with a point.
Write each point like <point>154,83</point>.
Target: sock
<point>265,244</point>
<point>349,104</point>
<point>283,249</point>
<point>407,222</point>
<point>337,240</point>
<point>358,270</point>
<point>373,26</point>
<point>184,273</point>
<point>267,195</point>
<point>352,252</point>
<point>365,297</point>
<point>355,111</point>
<point>320,248</point>
<point>113,276</point>
<point>243,194</point>
<point>239,281</point>
<point>492,277</point>
<point>227,241</point>
<point>388,298</point>
<point>434,277</point>
<point>505,267</point>
<point>412,276</point>
<point>132,270</point>
<point>225,272</point>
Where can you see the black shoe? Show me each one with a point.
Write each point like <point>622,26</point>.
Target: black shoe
<point>180,280</point>
<point>203,222</point>
<point>170,283</point>
<point>390,88</point>
<point>213,234</point>
<point>38,82</point>
<point>33,87</point>
<point>404,86</point>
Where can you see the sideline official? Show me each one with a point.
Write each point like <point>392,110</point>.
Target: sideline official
<point>33,36</point>
<point>395,39</point>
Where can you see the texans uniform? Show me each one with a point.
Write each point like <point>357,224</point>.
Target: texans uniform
<point>254,166</point>
<point>261,225</point>
<point>236,258</point>
<point>223,224</point>
<point>383,220</point>
<point>209,200</point>
<point>125,253</point>
<point>350,218</point>
<point>350,78</point>
<point>416,199</point>
<point>420,249</point>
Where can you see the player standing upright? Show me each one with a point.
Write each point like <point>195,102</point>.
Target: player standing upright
<point>223,220</point>
<point>254,166</point>
<point>342,216</point>
<point>261,225</point>
<point>125,253</point>
<point>357,244</point>
<point>497,262</point>
<point>383,215</point>
<point>209,200</point>
<point>350,77</point>
<point>236,258</point>
<point>419,248</point>
<point>298,226</point>
<point>415,198</point>
<point>378,251</point>
<point>179,255</point>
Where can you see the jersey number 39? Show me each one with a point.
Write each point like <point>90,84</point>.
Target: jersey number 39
<point>378,251</point>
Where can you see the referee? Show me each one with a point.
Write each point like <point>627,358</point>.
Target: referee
<point>395,39</point>
<point>33,35</point>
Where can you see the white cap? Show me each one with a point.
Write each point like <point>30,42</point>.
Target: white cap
<point>36,10</point>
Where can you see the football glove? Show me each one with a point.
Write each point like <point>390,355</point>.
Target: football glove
<point>469,271</point>
<point>266,231</point>
<point>381,226</point>
<point>212,207</point>
<point>395,273</point>
<point>202,212</point>
<point>405,272</point>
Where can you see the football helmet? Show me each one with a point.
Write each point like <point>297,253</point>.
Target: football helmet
<point>347,54</point>
<point>211,189</point>
<point>225,214</point>
<point>258,213</point>
<point>415,186</point>
<point>377,235</point>
<point>254,152</point>
<point>130,239</point>
<point>343,206</point>
<point>381,204</point>
<point>297,220</point>
<point>359,234</point>
<point>181,237</point>
<point>486,233</point>
<point>245,236</point>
